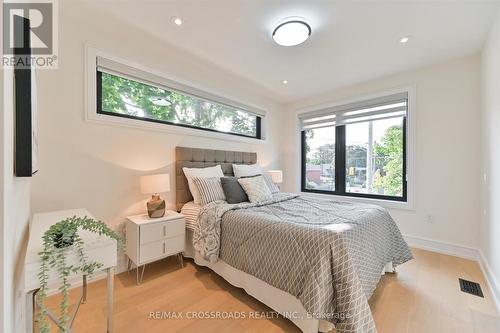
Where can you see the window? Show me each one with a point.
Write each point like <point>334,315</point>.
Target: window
<point>136,96</point>
<point>357,150</point>
<point>320,156</point>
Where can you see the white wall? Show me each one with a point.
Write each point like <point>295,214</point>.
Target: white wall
<point>490,144</point>
<point>15,212</point>
<point>447,147</point>
<point>97,166</point>
<point>2,219</point>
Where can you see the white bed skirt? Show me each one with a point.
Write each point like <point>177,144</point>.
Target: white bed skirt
<point>278,300</point>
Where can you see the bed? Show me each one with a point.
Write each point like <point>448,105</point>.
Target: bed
<point>315,261</point>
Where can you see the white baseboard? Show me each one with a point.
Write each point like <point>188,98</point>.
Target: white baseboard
<point>442,247</point>
<point>490,278</point>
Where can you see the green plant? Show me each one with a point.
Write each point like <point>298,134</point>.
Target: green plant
<point>391,150</point>
<point>58,240</point>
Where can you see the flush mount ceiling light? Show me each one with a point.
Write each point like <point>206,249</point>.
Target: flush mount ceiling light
<point>177,20</point>
<point>404,40</point>
<point>285,81</point>
<point>292,31</point>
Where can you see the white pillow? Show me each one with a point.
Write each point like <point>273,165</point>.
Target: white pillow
<point>215,171</point>
<point>245,170</point>
<point>256,189</point>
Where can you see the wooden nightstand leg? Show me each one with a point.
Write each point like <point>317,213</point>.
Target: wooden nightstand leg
<point>181,259</point>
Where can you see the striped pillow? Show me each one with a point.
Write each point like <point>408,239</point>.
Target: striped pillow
<point>210,189</point>
<point>269,182</point>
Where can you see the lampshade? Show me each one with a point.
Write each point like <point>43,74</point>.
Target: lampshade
<point>155,183</point>
<point>276,176</point>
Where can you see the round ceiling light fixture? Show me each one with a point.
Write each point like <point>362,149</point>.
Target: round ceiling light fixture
<point>292,31</point>
<point>404,40</point>
<point>176,20</point>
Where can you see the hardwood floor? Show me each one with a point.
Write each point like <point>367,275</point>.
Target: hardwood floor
<point>423,296</point>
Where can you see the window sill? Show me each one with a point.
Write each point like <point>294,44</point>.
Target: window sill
<point>389,204</point>
<point>95,117</point>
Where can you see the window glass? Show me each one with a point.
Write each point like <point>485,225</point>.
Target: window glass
<point>320,159</point>
<point>374,157</point>
<point>128,98</point>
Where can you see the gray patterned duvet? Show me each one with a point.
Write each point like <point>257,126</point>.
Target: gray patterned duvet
<point>328,254</point>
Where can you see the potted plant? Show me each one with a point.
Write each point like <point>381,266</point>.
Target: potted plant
<point>58,241</point>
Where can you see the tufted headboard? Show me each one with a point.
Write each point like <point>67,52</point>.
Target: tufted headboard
<point>202,158</point>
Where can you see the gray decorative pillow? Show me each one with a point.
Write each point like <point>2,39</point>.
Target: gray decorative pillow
<point>210,189</point>
<point>269,182</point>
<point>256,189</point>
<point>232,190</point>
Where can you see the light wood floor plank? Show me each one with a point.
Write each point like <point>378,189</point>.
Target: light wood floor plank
<point>423,296</point>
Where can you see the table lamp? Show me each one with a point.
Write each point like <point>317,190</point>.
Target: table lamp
<point>154,185</point>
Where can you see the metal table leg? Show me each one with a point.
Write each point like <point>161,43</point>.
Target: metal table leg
<point>30,311</point>
<point>110,286</point>
<point>129,264</point>
<point>84,289</point>
<point>31,305</point>
<point>181,259</point>
<point>71,319</point>
<point>138,280</point>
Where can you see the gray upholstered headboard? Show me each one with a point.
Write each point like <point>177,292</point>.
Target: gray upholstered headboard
<point>201,158</point>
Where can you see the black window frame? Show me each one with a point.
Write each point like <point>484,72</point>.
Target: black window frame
<point>340,163</point>
<point>258,121</point>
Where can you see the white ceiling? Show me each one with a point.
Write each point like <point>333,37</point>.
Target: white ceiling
<point>351,42</point>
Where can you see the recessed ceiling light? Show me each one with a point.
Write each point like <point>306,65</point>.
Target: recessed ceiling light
<point>292,31</point>
<point>404,40</point>
<point>177,20</point>
<point>285,81</point>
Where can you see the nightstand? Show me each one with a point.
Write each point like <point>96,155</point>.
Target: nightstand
<point>151,239</point>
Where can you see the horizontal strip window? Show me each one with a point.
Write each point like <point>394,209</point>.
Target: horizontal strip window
<point>357,150</point>
<point>129,93</point>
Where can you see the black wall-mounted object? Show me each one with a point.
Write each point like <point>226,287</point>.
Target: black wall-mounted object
<point>25,118</point>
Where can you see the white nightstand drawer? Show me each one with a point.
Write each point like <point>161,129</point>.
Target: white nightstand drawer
<point>161,230</point>
<point>175,244</point>
<point>152,251</point>
<point>162,248</point>
<point>175,228</point>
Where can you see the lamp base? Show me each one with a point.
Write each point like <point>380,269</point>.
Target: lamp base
<point>156,207</point>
